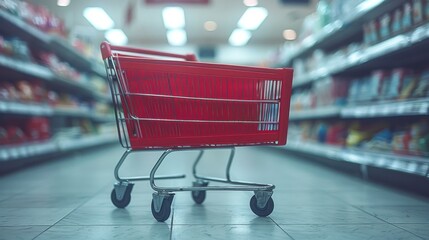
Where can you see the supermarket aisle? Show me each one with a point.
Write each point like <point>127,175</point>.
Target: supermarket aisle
<point>70,199</point>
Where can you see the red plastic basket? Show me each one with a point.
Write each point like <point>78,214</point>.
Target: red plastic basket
<point>175,104</point>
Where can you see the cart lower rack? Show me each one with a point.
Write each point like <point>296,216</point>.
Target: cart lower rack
<point>176,105</point>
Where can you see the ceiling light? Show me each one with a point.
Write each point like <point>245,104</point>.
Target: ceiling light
<point>250,3</point>
<point>98,18</point>
<point>289,34</point>
<point>239,37</point>
<point>176,37</point>
<point>210,26</point>
<point>174,17</point>
<point>63,3</point>
<point>252,18</point>
<point>116,37</point>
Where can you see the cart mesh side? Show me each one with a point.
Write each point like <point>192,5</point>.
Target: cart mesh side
<point>174,104</point>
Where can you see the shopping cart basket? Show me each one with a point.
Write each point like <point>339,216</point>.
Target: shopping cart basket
<point>173,105</point>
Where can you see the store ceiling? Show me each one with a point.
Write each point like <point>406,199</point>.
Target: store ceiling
<point>147,26</point>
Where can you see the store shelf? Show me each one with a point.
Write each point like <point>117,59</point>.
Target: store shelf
<point>17,27</point>
<point>69,54</point>
<point>53,146</point>
<point>337,32</point>
<point>414,107</point>
<point>35,109</point>
<point>379,55</point>
<point>27,68</point>
<point>403,163</point>
<point>70,144</point>
<point>25,108</point>
<point>27,150</point>
<point>418,107</point>
<point>323,112</point>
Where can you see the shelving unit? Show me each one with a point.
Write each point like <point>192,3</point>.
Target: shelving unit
<point>19,153</point>
<point>403,163</point>
<point>405,49</point>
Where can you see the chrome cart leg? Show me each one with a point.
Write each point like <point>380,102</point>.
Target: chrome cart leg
<point>121,193</point>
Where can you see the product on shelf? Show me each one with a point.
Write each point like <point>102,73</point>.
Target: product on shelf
<point>381,141</point>
<point>337,134</point>
<point>422,89</point>
<point>37,128</point>
<point>11,6</point>
<point>418,11</point>
<point>15,48</point>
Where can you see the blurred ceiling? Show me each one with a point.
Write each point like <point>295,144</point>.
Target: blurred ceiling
<point>146,26</point>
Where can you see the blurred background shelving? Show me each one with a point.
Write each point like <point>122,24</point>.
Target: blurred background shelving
<point>361,85</point>
<point>53,98</point>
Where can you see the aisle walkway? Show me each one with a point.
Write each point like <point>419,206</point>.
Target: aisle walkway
<point>70,199</point>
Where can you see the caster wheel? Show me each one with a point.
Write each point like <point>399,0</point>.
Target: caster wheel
<point>164,212</point>
<point>124,201</point>
<point>262,212</point>
<point>198,196</point>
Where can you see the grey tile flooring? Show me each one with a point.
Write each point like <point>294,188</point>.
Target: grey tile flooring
<point>349,232</point>
<point>21,232</point>
<point>421,230</point>
<point>70,199</point>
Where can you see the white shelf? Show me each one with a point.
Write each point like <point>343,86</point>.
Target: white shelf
<point>53,146</point>
<point>417,107</point>
<point>373,53</point>
<point>26,67</point>
<point>336,32</point>
<point>324,112</point>
<point>69,144</point>
<point>403,163</point>
<point>389,109</point>
<point>27,150</point>
<point>26,108</point>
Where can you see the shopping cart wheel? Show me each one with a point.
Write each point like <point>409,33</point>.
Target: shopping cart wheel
<point>199,196</point>
<point>262,212</point>
<point>126,195</point>
<point>161,206</point>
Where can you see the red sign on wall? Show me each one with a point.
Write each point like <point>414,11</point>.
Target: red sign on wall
<point>177,1</point>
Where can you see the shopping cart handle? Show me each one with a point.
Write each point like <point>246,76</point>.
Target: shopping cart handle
<point>107,48</point>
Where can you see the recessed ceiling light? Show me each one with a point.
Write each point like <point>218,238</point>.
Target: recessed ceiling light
<point>63,3</point>
<point>116,37</point>
<point>289,34</point>
<point>252,18</point>
<point>250,3</point>
<point>239,37</point>
<point>210,26</point>
<point>174,17</point>
<point>98,18</point>
<point>176,37</point>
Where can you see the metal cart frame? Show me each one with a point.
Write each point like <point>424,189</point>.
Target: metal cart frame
<point>261,203</point>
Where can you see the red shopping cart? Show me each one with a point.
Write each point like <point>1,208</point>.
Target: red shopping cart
<point>176,105</point>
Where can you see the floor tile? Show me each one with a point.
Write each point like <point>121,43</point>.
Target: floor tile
<point>22,232</point>
<point>380,198</point>
<point>42,201</point>
<point>349,232</point>
<point>421,230</point>
<point>31,216</point>
<point>400,214</point>
<point>313,214</point>
<point>221,232</point>
<point>87,216</point>
<point>215,214</point>
<point>106,232</point>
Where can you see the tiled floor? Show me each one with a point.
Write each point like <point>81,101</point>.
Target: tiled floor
<point>70,199</point>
